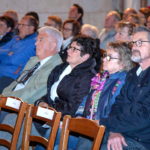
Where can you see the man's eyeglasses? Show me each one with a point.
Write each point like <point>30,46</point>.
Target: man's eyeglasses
<point>108,57</point>
<point>138,43</point>
<point>73,48</point>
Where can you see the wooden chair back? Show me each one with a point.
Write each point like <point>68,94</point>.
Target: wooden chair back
<point>82,126</point>
<point>13,105</point>
<point>48,115</point>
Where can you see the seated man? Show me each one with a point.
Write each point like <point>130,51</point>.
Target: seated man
<point>18,51</point>
<point>48,45</point>
<point>128,124</point>
<point>54,21</point>
<point>47,55</point>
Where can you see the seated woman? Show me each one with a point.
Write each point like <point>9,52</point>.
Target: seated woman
<point>69,82</point>
<point>106,86</point>
<point>70,29</point>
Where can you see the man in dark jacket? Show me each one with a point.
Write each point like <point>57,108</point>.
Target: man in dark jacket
<point>128,124</point>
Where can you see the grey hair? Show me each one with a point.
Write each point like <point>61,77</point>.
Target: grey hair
<point>91,30</point>
<point>143,29</point>
<point>124,51</point>
<point>115,14</point>
<point>57,35</point>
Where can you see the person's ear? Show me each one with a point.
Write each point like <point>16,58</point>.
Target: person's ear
<point>79,15</point>
<point>8,29</point>
<point>86,57</point>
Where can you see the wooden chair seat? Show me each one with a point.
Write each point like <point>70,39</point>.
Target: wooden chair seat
<point>51,118</point>
<point>82,126</point>
<point>14,105</point>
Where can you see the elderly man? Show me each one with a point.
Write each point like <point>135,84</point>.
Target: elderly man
<point>128,124</point>
<point>48,45</point>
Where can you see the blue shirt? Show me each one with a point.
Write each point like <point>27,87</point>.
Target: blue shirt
<point>15,54</point>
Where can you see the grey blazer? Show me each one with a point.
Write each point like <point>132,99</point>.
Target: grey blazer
<point>36,87</point>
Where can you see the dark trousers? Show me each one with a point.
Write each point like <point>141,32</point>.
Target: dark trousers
<point>4,82</point>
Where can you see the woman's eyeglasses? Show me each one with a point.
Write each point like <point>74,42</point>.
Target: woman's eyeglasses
<point>108,57</point>
<point>73,48</point>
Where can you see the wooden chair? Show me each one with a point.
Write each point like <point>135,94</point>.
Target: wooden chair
<point>14,105</point>
<point>82,126</point>
<point>48,115</point>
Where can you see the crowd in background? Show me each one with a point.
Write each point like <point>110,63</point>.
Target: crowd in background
<point>72,66</point>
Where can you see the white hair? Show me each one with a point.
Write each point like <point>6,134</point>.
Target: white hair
<point>89,30</point>
<point>57,35</point>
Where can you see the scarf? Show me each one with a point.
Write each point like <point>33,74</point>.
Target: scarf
<point>97,85</point>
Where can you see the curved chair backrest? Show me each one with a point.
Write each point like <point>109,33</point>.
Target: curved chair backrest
<point>12,105</point>
<point>48,115</point>
<point>82,126</point>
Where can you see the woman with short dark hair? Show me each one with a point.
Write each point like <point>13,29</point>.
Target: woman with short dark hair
<point>70,29</point>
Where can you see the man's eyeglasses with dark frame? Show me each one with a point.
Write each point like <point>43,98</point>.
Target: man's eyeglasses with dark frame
<point>138,43</point>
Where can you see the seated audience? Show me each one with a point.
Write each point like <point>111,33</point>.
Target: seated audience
<point>92,31</point>
<point>128,125</point>
<point>145,11</point>
<point>6,29</point>
<point>18,51</point>
<point>70,29</point>
<point>134,18</point>
<point>47,54</point>
<point>148,22</point>
<point>127,12</point>
<point>108,32</point>
<point>14,15</point>
<point>54,21</point>
<point>33,14</point>
<point>76,12</point>
<point>124,31</point>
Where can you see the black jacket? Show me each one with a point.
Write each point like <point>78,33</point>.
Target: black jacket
<point>130,114</point>
<point>6,38</point>
<point>72,88</point>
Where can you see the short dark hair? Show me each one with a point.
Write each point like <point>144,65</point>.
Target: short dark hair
<point>143,29</point>
<point>33,22</point>
<point>88,45</point>
<point>8,21</point>
<point>75,26</point>
<point>80,10</point>
<point>33,14</point>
